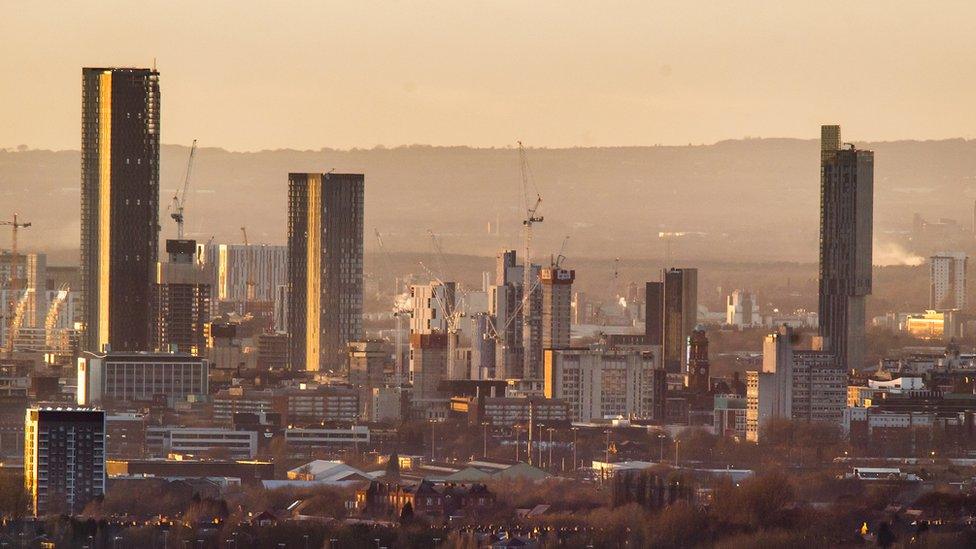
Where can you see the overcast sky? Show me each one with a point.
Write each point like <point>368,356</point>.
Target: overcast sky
<point>250,75</point>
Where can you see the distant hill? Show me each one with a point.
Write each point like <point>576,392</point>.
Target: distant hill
<point>753,199</point>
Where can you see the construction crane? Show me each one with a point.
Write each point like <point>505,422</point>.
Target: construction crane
<point>453,312</point>
<point>401,309</point>
<point>559,257</point>
<point>531,218</point>
<point>179,198</point>
<point>13,287</point>
<point>249,279</point>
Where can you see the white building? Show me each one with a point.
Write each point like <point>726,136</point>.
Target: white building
<point>233,264</point>
<point>162,441</point>
<point>742,310</point>
<point>430,305</point>
<point>597,384</point>
<point>947,281</point>
<point>801,385</point>
<point>140,377</point>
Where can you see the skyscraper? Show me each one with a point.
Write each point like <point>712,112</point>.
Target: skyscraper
<point>947,278</point>
<point>64,459</point>
<point>846,224</point>
<point>325,268</point>
<point>181,301</point>
<point>119,205</point>
<point>699,381</point>
<point>557,299</point>
<point>679,316</point>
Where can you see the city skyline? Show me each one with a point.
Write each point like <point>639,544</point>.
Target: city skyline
<point>689,383</point>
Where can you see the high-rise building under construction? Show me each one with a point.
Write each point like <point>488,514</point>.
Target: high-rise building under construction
<point>119,205</point>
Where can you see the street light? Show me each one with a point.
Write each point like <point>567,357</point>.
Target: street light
<point>661,437</point>
<point>575,462</point>
<point>550,429</point>
<point>676,453</point>
<point>484,452</point>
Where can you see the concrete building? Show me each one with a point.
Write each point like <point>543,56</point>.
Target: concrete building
<point>64,459</point>
<point>367,360</point>
<point>597,384</point>
<point>112,378</point>
<point>431,305</point>
<point>505,300</point>
<point>195,441</point>
<point>119,205</point>
<point>698,369</point>
<point>428,364</point>
<point>232,265</point>
<point>795,384</point>
<point>125,435</point>
<point>742,310</point>
<point>557,301</point>
<point>385,405</point>
<point>272,351</point>
<point>846,235</point>
<point>325,268</point>
<point>729,416</point>
<point>309,439</point>
<point>947,281</point>
<point>180,301</point>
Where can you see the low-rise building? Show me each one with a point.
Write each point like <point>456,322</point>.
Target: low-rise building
<point>729,415</point>
<point>306,438</point>
<point>163,441</point>
<point>110,378</point>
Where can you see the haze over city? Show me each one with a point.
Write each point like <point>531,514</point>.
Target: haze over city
<point>646,274</point>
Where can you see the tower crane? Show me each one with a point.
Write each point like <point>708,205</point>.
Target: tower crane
<point>179,198</point>
<point>453,312</point>
<point>531,218</point>
<point>401,310</point>
<point>13,286</point>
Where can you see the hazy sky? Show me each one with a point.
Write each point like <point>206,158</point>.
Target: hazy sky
<point>252,75</point>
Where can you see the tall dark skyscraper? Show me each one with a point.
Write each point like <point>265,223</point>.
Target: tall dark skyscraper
<point>325,268</point>
<point>671,314</point>
<point>653,313</point>
<point>846,224</point>
<point>119,205</point>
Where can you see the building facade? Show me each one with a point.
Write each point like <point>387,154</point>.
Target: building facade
<point>64,459</point>
<point>557,304</point>
<point>671,313</point>
<point>794,384</point>
<point>181,305</point>
<point>140,377</point>
<point>119,205</point>
<point>742,310</point>
<point>597,384</point>
<point>846,225</point>
<point>325,268</point>
<point>233,265</point>
<point>947,281</point>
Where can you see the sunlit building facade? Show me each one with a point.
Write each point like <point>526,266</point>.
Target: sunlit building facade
<point>325,268</point>
<point>119,205</point>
